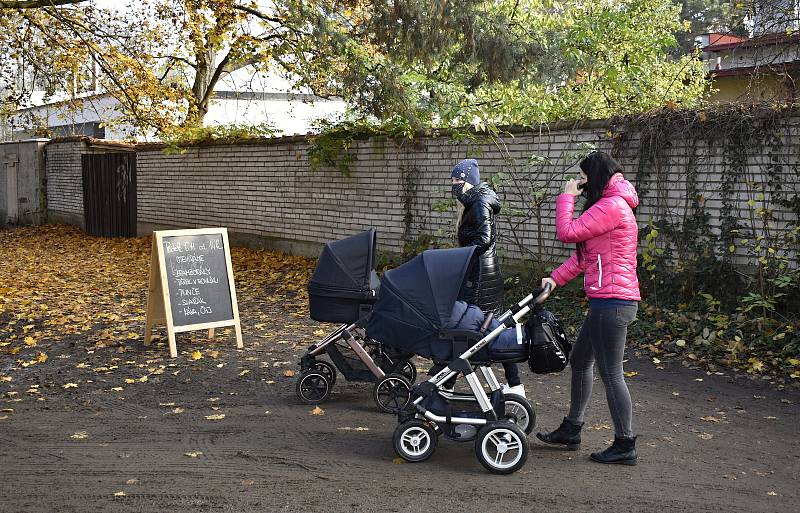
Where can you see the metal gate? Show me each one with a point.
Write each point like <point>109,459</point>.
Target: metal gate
<point>109,194</point>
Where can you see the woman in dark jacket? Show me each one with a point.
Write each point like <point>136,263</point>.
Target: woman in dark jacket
<point>476,227</point>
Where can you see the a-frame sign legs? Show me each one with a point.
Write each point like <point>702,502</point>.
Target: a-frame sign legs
<point>153,298</point>
<point>156,311</point>
<point>234,303</point>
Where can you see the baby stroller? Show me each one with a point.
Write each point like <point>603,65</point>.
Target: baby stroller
<point>342,290</point>
<point>414,303</point>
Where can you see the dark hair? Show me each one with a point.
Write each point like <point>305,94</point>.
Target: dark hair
<point>599,167</point>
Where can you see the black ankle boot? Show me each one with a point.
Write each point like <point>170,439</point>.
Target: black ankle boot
<point>622,451</point>
<point>568,433</point>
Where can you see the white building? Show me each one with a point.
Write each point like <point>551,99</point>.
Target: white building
<point>240,97</point>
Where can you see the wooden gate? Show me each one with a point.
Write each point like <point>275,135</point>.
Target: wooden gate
<point>109,194</point>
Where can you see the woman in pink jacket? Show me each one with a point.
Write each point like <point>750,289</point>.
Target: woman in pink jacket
<point>606,237</point>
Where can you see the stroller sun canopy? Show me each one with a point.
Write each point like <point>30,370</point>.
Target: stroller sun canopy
<point>416,299</point>
<point>346,265</point>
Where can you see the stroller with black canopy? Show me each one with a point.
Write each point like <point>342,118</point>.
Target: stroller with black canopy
<point>414,305</point>
<point>343,290</point>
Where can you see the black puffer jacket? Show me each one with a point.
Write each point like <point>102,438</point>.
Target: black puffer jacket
<point>477,228</point>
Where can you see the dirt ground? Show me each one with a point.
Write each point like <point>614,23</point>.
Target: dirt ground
<point>119,427</point>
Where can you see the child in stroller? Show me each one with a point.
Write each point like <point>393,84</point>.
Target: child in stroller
<point>510,344</point>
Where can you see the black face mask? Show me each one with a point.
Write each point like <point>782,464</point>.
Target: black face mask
<point>458,191</point>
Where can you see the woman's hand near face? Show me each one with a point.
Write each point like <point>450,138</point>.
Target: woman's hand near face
<point>571,187</point>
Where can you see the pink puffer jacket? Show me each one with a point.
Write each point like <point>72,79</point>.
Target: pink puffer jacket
<point>610,234</point>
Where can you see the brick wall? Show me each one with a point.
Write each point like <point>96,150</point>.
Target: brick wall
<point>64,182</point>
<point>266,194</point>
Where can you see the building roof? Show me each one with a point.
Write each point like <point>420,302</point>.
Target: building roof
<point>723,43</point>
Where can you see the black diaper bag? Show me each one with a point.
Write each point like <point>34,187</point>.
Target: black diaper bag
<point>549,345</point>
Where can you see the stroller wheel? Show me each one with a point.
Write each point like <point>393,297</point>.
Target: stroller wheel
<point>392,393</point>
<point>501,447</point>
<point>326,369</point>
<point>520,412</point>
<point>409,370</point>
<point>414,440</point>
<point>313,387</point>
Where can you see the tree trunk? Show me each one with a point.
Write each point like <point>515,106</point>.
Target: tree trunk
<point>204,73</point>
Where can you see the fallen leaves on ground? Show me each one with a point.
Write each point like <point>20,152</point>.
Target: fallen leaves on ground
<point>193,454</point>
<point>288,373</point>
<point>80,435</point>
<point>317,411</point>
<point>60,284</point>
<point>218,416</point>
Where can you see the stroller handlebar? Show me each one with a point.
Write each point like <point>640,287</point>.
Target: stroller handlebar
<point>543,291</point>
<point>537,296</point>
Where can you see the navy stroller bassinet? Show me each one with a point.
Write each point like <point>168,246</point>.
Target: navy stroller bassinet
<point>416,300</point>
<point>344,285</point>
<point>415,308</point>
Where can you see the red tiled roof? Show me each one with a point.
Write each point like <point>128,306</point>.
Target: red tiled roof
<point>780,38</point>
<point>721,39</point>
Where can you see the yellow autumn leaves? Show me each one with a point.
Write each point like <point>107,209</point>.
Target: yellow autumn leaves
<point>58,283</point>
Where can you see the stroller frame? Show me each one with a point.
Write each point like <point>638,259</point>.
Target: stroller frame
<point>461,365</point>
<point>493,428</point>
<point>351,334</point>
<point>392,389</point>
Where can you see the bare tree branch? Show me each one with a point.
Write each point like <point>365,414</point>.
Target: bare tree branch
<point>256,13</point>
<point>35,4</point>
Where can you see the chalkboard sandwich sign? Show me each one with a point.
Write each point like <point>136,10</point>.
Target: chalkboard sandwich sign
<point>191,284</point>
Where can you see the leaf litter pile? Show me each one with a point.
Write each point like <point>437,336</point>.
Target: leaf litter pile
<point>72,313</point>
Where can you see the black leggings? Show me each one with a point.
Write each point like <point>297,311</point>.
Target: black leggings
<point>602,340</point>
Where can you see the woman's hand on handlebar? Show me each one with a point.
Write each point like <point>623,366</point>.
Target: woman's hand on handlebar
<point>549,285</point>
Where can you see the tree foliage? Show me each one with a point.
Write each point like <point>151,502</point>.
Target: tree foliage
<point>429,63</point>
